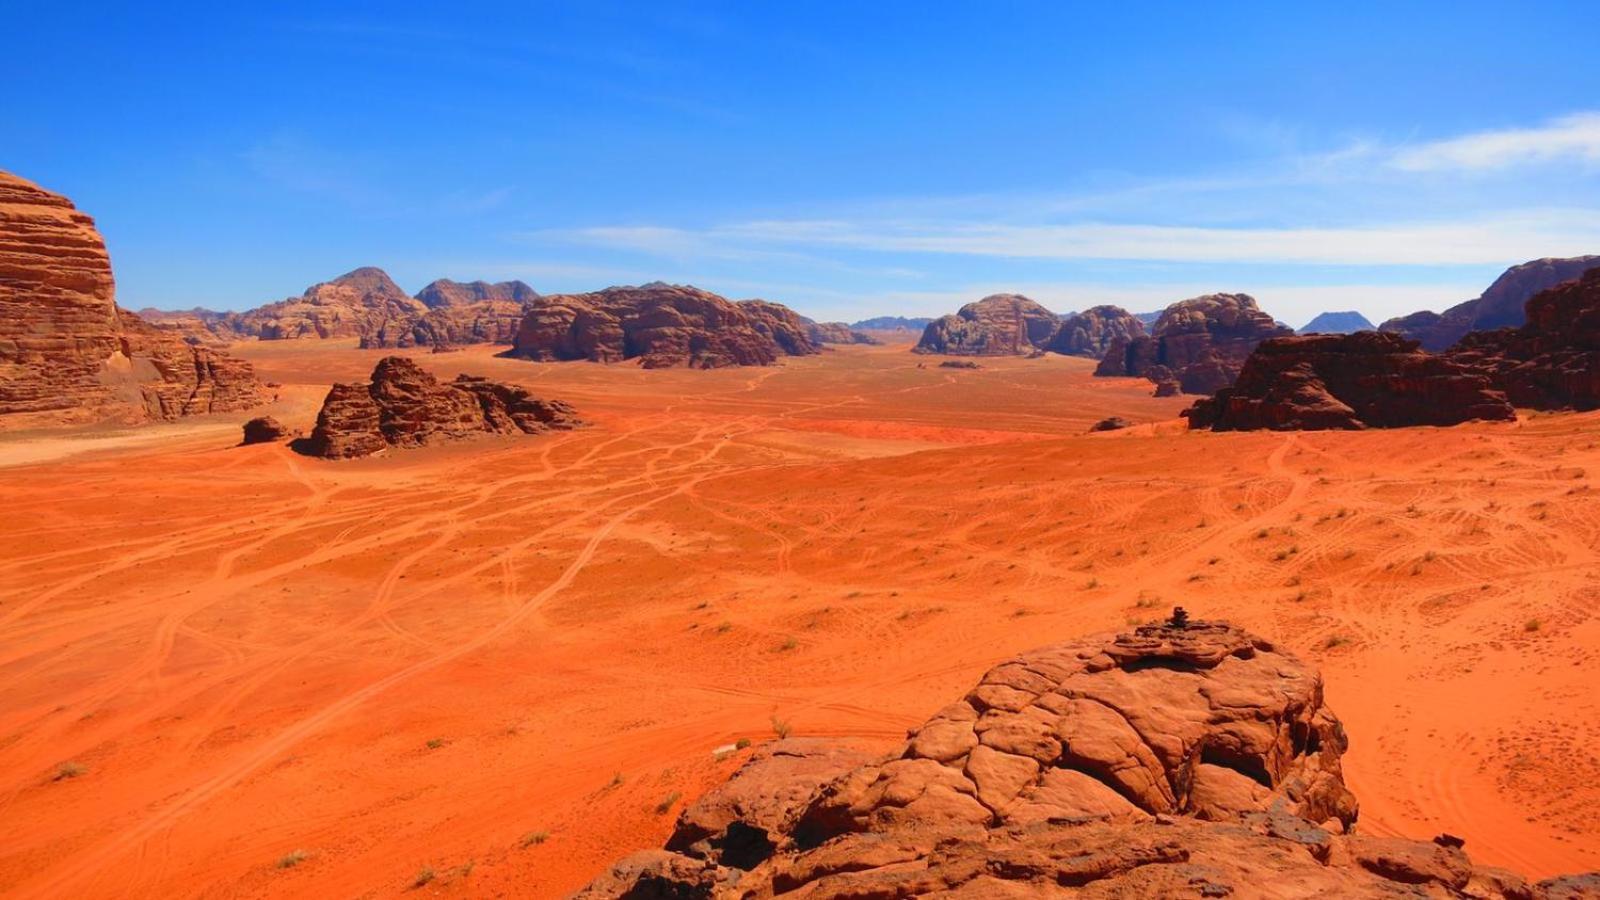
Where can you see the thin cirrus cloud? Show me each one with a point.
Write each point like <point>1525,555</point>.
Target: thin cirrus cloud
<point>1485,240</point>
<point>1574,137</point>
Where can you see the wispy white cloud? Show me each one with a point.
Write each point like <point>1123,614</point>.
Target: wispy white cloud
<point>1573,137</point>
<point>1493,239</point>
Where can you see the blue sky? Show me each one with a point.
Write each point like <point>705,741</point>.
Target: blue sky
<point>848,159</point>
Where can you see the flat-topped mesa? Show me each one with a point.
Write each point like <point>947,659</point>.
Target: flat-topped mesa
<point>1502,305</point>
<point>661,325</point>
<point>997,325</point>
<point>405,406</point>
<point>1368,379</point>
<point>1186,759</point>
<point>1197,346</point>
<point>68,354</point>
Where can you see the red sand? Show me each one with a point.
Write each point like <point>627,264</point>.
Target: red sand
<point>421,659</point>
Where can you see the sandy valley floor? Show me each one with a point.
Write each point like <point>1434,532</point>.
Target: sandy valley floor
<point>513,660</point>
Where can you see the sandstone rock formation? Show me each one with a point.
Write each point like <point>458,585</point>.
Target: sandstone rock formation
<point>1344,322</point>
<point>835,333</point>
<point>364,304</point>
<point>787,328</point>
<point>445,293</point>
<point>1194,761</point>
<point>264,430</point>
<point>997,325</point>
<point>68,354</point>
<point>1369,379</point>
<point>659,324</point>
<point>1500,306</point>
<point>1553,360</point>
<point>405,406</point>
<point>1197,346</point>
<point>1091,332</point>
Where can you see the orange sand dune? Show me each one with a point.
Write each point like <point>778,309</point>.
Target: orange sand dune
<point>511,661</point>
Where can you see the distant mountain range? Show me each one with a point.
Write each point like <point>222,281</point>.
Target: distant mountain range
<point>891,323</point>
<point>1345,322</point>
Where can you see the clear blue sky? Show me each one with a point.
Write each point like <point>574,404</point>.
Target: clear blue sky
<point>847,158</point>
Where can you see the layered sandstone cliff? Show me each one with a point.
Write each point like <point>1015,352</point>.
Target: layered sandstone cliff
<point>1197,346</point>
<point>68,354</point>
<point>1091,332</point>
<point>1369,379</point>
<point>445,293</point>
<point>661,325</point>
<point>997,325</point>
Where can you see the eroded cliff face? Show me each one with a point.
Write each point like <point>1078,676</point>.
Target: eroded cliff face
<point>68,354</point>
<point>1383,380</point>
<point>661,325</point>
<point>1197,346</point>
<point>1368,379</point>
<point>997,325</point>
<point>1186,759</point>
<point>404,406</point>
<point>1501,306</point>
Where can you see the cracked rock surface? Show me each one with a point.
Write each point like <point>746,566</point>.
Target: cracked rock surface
<point>1169,762</point>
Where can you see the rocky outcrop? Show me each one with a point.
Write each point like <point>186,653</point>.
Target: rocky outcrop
<point>1501,306</point>
<point>835,333</point>
<point>787,328</point>
<point>1186,759</point>
<point>1197,346</point>
<point>997,325</point>
<point>405,406</point>
<point>661,325</point>
<point>1091,332</point>
<point>68,354</point>
<point>448,327</point>
<point>1110,423</point>
<point>264,430</point>
<point>1369,379</point>
<point>364,304</point>
<point>1345,322</point>
<point>892,323</point>
<point>444,293</point>
<point>1553,360</point>
<point>1383,380</point>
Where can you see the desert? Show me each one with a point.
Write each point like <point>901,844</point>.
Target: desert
<point>713,451</point>
<point>497,659</point>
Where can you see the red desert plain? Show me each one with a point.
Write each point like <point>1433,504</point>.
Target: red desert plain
<point>507,662</point>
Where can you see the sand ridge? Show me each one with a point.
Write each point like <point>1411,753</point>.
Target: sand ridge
<point>425,658</point>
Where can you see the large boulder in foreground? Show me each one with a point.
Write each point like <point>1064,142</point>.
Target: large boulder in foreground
<point>1197,346</point>
<point>661,325</point>
<point>68,354</point>
<point>1501,306</point>
<point>1368,379</point>
<point>1194,761</point>
<point>405,406</point>
<point>997,325</point>
<point>1091,332</point>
